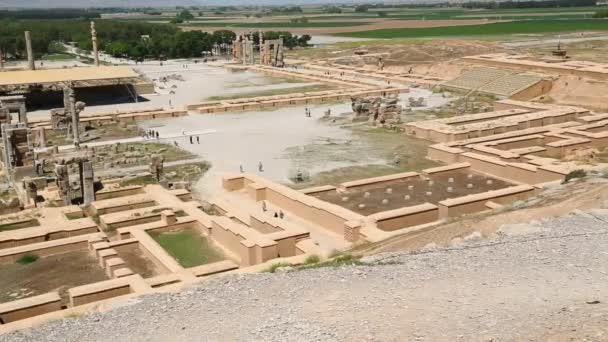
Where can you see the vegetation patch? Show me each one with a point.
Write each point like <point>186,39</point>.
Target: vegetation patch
<point>496,29</point>
<point>28,259</point>
<point>187,247</point>
<point>580,173</point>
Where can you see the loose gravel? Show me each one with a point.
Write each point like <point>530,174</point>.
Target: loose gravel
<point>538,282</point>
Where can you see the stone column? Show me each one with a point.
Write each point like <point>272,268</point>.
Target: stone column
<point>30,53</point>
<point>74,114</point>
<point>261,43</point>
<point>1,59</point>
<point>88,183</point>
<point>94,41</point>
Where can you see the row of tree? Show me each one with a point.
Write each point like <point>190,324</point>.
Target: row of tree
<point>528,4</point>
<point>125,39</point>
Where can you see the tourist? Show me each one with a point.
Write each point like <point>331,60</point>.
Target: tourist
<point>175,143</point>
<point>183,132</point>
<point>157,135</point>
<point>241,168</point>
<point>276,215</point>
<point>170,104</point>
<point>198,140</point>
<point>281,215</point>
<point>260,167</point>
<point>191,142</point>
<point>264,209</point>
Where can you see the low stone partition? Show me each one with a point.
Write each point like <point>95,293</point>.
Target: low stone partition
<point>118,116</point>
<point>406,217</point>
<point>250,247</point>
<point>213,268</point>
<point>48,248</point>
<point>446,169</point>
<point>326,215</point>
<point>131,217</point>
<point>27,236</point>
<point>29,307</point>
<point>113,205</point>
<point>119,192</point>
<point>318,189</point>
<point>265,102</point>
<point>375,181</point>
<point>95,292</point>
<point>477,202</point>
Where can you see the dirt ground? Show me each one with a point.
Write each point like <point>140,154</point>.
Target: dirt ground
<point>53,273</point>
<point>375,24</point>
<point>418,195</point>
<point>553,202</point>
<point>138,262</point>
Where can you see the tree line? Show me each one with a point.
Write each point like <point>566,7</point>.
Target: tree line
<point>126,39</point>
<point>528,4</point>
<point>50,14</point>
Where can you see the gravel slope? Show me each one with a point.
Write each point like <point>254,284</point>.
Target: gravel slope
<point>535,282</point>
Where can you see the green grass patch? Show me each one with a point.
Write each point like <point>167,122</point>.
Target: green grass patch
<point>311,259</point>
<point>273,268</point>
<point>28,259</point>
<point>187,247</point>
<point>280,24</point>
<point>508,28</point>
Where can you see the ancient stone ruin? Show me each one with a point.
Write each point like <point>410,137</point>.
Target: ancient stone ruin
<point>156,166</point>
<point>375,109</point>
<point>75,181</point>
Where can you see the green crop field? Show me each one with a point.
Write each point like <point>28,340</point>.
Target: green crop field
<point>278,24</point>
<point>507,28</point>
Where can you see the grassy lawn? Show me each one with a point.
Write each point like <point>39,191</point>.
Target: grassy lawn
<point>516,27</point>
<point>187,247</point>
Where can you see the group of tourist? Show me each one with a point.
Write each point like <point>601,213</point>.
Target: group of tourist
<point>198,141</point>
<point>279,214</point>
<point>151,134</point>
<point>308,112</point>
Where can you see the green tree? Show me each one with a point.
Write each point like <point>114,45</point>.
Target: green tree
<point>185,15</point>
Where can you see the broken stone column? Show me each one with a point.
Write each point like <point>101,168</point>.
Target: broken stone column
<point>1,59</point>
<point>88,182</point>
<point>30,53</point>
<point>94,41</point>
<point>74,108</point>
<point>62,180</point>
<point>156,166</point>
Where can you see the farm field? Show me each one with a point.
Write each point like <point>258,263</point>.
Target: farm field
<point>503,28</point>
